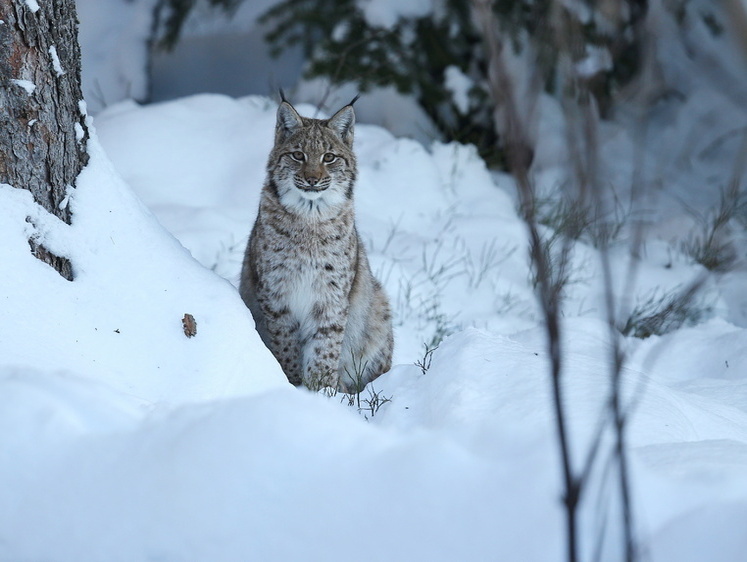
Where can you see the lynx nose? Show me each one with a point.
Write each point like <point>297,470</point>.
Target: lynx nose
<point>313,180</point>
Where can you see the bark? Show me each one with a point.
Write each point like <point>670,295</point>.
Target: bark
<point>43,130</point>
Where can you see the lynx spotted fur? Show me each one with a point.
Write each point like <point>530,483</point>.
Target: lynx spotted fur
<point>306,277</point>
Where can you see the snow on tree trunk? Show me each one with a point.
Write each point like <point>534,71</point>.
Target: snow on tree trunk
<point>43,130</point>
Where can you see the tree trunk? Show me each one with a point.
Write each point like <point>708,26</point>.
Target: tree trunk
<point>43,130</point>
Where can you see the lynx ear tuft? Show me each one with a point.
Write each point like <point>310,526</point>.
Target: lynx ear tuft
<point>288,122</point>
<point>343,123</point>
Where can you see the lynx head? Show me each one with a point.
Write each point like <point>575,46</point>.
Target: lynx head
<point>312,167</point>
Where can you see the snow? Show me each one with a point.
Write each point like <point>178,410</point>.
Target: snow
<point>386,13</point>
<point>27,85</point>
<point>459,85</point>
<point>58,70</point>
<point>196,448</point>
<point>597,59</point>
<point>118,248</point>
<point>123,439</point>
<point>32,5</point>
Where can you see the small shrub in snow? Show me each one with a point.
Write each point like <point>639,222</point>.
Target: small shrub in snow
<point>420,296</point>
<point>425,362</point>
<point>662,313</point>
<point>578,221</point>
<point>373,403</point>
<point>478,267</point>
<point>711,245</point>
<point>229,254</point>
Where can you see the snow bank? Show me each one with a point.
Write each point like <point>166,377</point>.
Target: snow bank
<point>461,464</point>
<point>282,476</point>
<point>447,243</point>
<point>120,321</point>
<point>151,445</point>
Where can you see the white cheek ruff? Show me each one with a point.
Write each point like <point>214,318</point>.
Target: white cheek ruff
<point>311,202</point>
<point>311,195</point>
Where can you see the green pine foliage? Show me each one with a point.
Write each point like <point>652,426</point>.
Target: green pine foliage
<point>413,55</point>
<point>603,39</point>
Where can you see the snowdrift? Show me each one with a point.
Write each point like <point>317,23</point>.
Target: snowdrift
<point>123,439</point>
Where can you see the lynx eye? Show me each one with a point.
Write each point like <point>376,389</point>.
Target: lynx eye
<point>329,158</point>
<point>298,155</point>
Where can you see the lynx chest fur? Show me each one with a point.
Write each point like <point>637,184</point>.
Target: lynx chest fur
<point>306,277</point>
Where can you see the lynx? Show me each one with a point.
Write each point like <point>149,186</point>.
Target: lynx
<point>305,276</point>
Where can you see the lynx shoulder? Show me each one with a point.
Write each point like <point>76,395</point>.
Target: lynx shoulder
<point>305,276</point>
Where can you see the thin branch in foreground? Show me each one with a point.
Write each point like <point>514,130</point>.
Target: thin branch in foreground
<point>518,151</point>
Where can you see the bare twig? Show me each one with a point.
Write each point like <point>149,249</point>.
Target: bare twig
<point>509,122</point>
<point>584,153</point>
